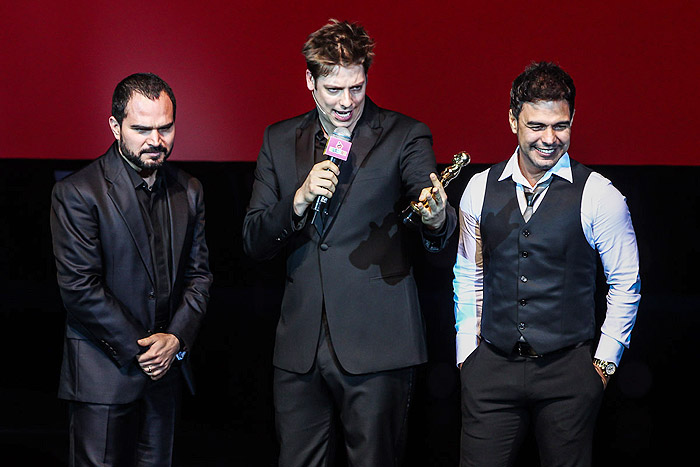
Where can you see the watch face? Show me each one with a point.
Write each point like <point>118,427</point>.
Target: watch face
<point>610,369</point>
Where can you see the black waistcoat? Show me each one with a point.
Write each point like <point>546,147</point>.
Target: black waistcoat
<point>539,276</point>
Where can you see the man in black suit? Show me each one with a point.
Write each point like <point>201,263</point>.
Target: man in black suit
<point>128,235</point>
<point>350,331</point>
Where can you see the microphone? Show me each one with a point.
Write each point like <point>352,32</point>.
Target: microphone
<point>337,150</point>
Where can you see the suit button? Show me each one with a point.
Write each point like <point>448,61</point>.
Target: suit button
<point>521,326</point>
<point>151,295</point>
<point>324,246</point>
<point>526,233</point>
<point>523,279</point>
<point>522,302</point>
<point>524,254</point>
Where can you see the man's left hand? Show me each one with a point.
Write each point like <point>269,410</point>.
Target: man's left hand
<point>602,376</point>
<point>431,203</point>
<point>156,361</point>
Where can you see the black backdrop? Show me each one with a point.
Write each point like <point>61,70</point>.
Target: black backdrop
<point>230,421</point>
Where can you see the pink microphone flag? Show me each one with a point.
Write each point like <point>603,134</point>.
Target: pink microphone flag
<point>338,148</point>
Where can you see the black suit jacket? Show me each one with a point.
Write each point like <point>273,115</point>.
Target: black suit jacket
<point>106,279</point>
<point>359,266</point>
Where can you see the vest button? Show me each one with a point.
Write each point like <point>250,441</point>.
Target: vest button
<point>522,302</point>
<point>521,326</point>
<point>523,279</point>
<point>525,254</point>
<point>526,233</point>
<point>324,246</point>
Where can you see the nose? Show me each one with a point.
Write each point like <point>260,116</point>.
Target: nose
<point>345,98</point>
<point>549,136</point>
<point>154,138</point>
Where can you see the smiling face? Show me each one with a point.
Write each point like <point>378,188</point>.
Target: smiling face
<point>340,96</point>
<point>147,133</point>
<point>543,129</point>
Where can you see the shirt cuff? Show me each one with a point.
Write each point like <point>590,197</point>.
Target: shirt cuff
<point>465,344</point>
<point>609,350</point>
<point>433,239</point>
<point>298,222</point>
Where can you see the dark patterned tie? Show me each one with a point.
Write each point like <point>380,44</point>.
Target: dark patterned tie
<point>531,196</point>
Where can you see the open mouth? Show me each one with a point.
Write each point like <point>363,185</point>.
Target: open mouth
<point>342,115</point>
<point>545,151</point>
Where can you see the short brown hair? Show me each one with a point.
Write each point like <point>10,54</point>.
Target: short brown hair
<point>338,43</point>
<point>543,81</point>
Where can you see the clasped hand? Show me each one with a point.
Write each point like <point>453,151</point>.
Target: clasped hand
<point>156,361</point>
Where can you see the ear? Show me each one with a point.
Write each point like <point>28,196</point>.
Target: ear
<point>513,122</point>
<point>115,127</point>
<point>310,82</point>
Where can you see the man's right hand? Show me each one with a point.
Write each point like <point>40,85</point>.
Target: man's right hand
<point>321,181</point>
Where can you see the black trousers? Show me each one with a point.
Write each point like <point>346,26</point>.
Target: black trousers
<point>139,433</point>
<point>371,409</point>
<point>559,394</point>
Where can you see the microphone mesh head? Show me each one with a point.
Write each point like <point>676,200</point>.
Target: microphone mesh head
<point>342,132</point>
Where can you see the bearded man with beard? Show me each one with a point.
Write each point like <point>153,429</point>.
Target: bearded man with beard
<point>132,263</point>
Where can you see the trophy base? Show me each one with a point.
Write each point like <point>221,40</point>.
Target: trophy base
<point>411,216</point>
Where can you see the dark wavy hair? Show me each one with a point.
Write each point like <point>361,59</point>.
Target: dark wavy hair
<point>147,84</point>
<point>542,81</point>
<point>338,43</point>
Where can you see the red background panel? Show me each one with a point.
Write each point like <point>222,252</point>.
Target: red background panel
<point>236,67</point>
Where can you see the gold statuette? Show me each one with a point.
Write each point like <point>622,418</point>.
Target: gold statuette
<point>411,215</point>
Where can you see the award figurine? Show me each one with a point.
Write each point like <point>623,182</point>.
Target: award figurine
<point>411,215</point>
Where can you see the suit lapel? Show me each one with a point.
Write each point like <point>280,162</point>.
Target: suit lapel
<point>178,208</point>
<point>367,133</point>
<point>122,193</point>
<point>304,149</point>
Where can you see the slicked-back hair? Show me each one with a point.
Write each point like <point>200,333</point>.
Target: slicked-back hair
<point>542,81</point>
<point>338,43</point>
<point>147,84</point>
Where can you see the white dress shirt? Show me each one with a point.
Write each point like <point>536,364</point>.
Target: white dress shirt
<point>607,227</point>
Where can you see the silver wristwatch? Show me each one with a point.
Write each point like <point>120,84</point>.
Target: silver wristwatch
<point>608,368</point>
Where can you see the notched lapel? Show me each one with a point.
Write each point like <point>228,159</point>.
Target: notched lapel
<point>122,193</point>
<point>178,207</point>
<point>366,137</point>
<point>304,151</point>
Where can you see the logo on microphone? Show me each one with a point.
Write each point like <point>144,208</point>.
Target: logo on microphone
<point>338,148</point>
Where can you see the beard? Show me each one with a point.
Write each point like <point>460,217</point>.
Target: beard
<point>140,163</point>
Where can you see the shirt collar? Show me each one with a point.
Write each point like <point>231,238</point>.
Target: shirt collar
<point>135,177</point>
<point>561,169</point>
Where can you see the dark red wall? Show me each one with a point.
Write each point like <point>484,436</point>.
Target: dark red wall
<point>236,67</point>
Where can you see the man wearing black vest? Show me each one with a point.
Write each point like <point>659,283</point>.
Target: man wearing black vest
<point>531,229</point>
